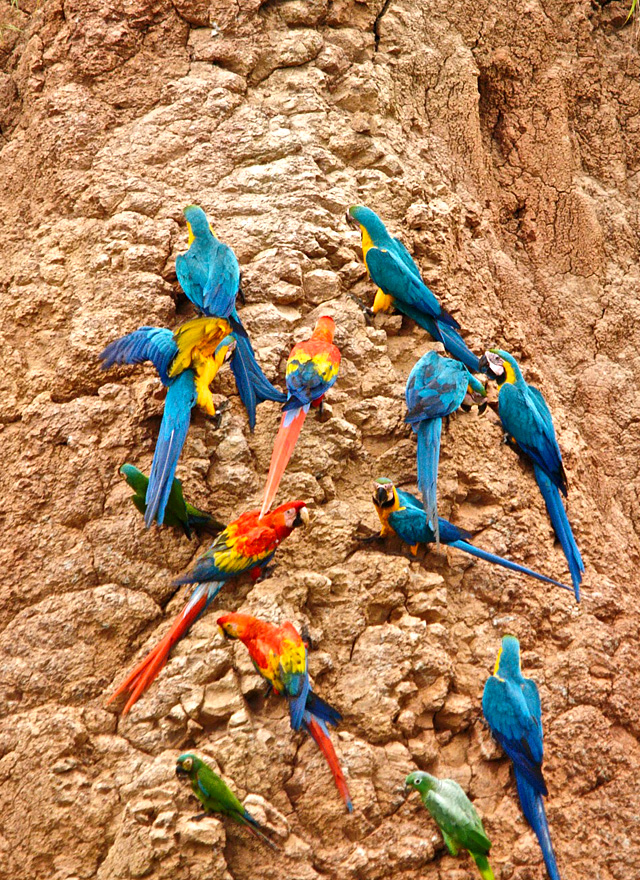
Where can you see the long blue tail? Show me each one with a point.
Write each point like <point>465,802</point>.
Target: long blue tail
<point>181,397</point>
<point>505,563</point>
<point>253,386</point>
<point>429,432</point>
<point>448,336</point>
<point>321,710</point>
<point>533,808</point>
<point>561,527</point>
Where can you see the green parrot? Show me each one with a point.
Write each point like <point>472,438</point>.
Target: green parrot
<point>179,513</point>
<point>455,816</point>
<point>215,796</point>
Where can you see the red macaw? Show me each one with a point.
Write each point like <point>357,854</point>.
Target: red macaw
<point>312,368</point>
<point>280,656</point>
<point>246,545</point>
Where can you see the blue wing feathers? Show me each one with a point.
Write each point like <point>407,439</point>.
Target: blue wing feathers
<point>155,344</point>
<point>428,458</point>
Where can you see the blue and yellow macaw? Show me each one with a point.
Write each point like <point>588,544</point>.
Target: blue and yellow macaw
<point>436,387</point>
<point>209,274</point>
<point>392,268</point>
<point>185,388</point>
<point>401,514</point>
<point>511,706</point>
<point>527,422</point>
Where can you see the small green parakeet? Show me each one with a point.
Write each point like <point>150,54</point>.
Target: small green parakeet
<point>216,796</point>
<point>456,817</point>
<point>179,513</point>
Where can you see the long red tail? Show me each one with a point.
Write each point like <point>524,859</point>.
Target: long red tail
<point>148,669</point>
<point>326,747</point>
<point>288,434</point>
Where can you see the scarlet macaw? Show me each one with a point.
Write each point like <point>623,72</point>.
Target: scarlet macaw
<point>280,656</point>
<point>179,513</point>
<point>216,796</point>
<point>312,368</point>
<point>393,270</point>
<point>401,514</point>
<point>527,421</point>
<point>436,387</point>
<point>246,545</point>
<point>511,706</point>
<point>456,817</point>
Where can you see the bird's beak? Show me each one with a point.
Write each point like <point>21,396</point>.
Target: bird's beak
<point>380,494</point>
<point>352,221</point>
<point>302,519</point>
<point>491,363</point>
<point>181,773</point>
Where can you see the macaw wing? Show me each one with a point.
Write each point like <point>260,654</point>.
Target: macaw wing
<point>396,279</point>
<point>461,824</point>
<point>192,276</point>
<point>309,376</point>
<point>523,420</point>
<point>411,525</point>
<point>216,791</point>
<point>219,295</point>
<point>295,677</point>
<point>532,699</point>
<point>403,254</point>
<point>234,551</point>
<point>155,344</point>
<point>435,388</point>
<point>513,726</point>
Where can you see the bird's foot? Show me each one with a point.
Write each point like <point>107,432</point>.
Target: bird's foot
<point>306,638</point>
<point>198,818</point>
<point>220,410</point>
<point>367,310</point>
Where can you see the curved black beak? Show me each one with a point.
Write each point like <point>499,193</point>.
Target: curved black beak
<point>181,773</point>
<point>351,220</point>
<point>483,364</point>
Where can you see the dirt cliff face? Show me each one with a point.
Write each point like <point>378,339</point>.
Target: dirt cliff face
<point>502,144</point>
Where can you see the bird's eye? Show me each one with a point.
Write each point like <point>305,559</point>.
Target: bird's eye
<point>187,764</point>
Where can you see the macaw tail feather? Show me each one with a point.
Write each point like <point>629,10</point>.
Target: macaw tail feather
<point>505,563</point>
<point>148,669</point>
<point>288,434</point>
<point>429,432</point>
<point>444,333</point>
<point>484,867</point>
<point>456,346</point>
<point>533,808</point>
<point>253,386</point>
<point>200,520</point>
<point>181,398</point>
<point>256,830</point>
<point>320,734</point>
<point>561,527</point>
<point>322,710</point>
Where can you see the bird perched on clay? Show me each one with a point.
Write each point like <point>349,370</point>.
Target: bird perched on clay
<point>184,389</point>
<point>456,817</point>
<point>400,285</point>
<point>209,274</point>
<point>216,796</point>
<point>528,425</point>
<point>246,545</point>
<point>187,362</point>
<point>436,387</point>
<point>312,368</point>
<point>280,656</point>
<point>511,706</point>
<point>179,514</point>
<point>401,514</point>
